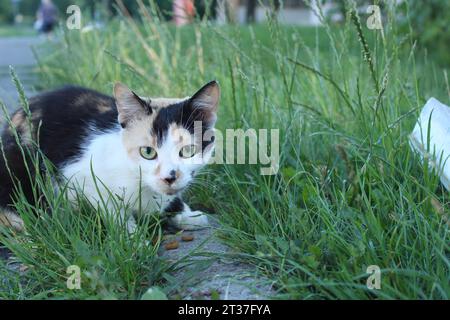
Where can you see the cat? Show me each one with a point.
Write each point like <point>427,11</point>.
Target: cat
<point>137,148</point>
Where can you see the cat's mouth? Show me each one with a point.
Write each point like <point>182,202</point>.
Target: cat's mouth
<point>172,191</point>
<point>164,189</point>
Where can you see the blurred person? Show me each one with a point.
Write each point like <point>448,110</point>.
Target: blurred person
<point>47,16</point>
<point>183,12</point>
<point>252,5</point>
<point>251,11</point>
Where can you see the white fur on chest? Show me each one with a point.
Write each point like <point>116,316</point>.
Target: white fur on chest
<point>105,158</point>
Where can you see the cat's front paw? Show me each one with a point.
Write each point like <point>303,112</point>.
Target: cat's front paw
<point>193,220</point>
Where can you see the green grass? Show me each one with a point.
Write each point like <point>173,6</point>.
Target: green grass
<point>350,193</point>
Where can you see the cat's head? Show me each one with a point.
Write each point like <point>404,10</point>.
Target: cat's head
<point>168,140</point>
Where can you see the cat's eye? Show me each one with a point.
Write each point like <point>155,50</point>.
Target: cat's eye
<point>148,153</point>
<point>188,151</point>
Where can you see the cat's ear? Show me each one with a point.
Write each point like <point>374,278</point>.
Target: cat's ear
<point>206,101</point>
<point>129,105</point>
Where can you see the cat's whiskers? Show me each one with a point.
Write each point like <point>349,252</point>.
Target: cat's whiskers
<point>203,183</point>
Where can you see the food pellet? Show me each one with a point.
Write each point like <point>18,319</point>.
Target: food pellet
<point>187,237</point>
<point>171,245</point>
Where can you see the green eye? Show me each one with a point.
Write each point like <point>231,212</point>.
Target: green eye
<point>148,153</point>
<point>188,151</point>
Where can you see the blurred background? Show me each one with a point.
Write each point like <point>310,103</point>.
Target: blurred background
<point>22,25</point>
<point>429,18</point>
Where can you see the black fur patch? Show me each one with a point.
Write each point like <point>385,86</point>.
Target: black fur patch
<point>183,114</point>
<point>67,118</point>
<point>176,206</point>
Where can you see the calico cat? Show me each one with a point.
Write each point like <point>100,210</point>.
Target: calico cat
<point>133,145</point>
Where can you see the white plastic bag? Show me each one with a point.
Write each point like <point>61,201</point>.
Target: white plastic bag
<point>435,121</point>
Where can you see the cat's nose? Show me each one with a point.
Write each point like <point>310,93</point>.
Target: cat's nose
<point>171,179</point>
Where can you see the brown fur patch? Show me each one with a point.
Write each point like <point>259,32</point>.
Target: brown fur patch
<point>180,133</point>
<point>82,99</point>
<point>36,115</point>
<point>137,135</point>
<point>10,219</point>
<point>103,105</point>
<point>18,118</point>
<point>22,125</point>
